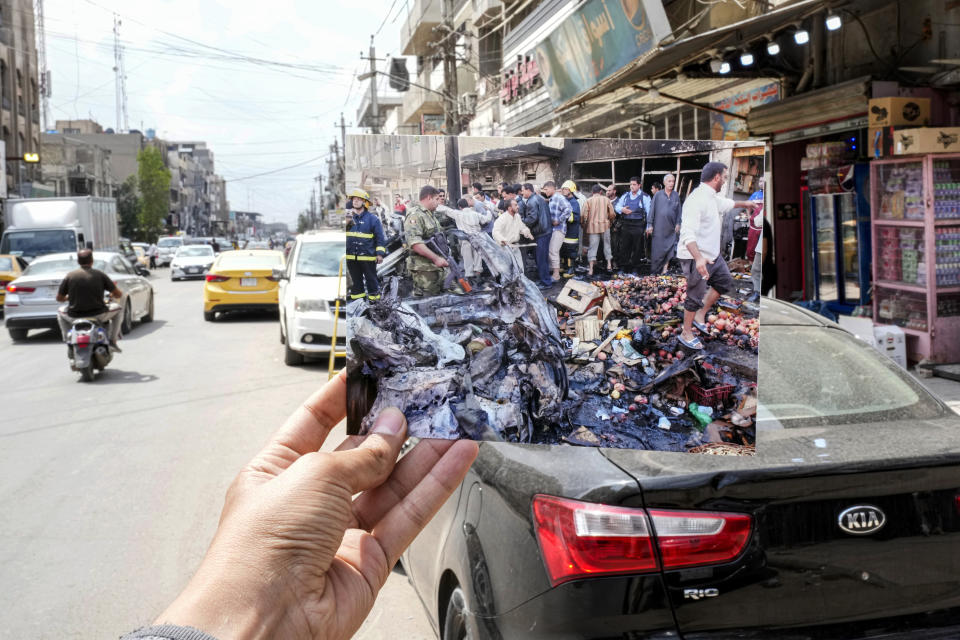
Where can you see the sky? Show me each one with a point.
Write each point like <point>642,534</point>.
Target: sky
<point>262,83</point>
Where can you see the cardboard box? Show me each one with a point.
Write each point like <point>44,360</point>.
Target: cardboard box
<point>890,112</point>
<point>927,140</point>
<point>889,340</point>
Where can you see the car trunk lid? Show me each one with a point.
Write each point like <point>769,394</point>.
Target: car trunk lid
<point>245,280</point>
<point>873,533</point>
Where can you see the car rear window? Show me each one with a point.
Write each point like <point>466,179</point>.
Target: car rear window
<point>320,258</point>
<point>6,264</point>
<point>54,266</point>
<point>815,376</point>
<point>170,242</point>
<point>247,261</point>
<point>193,252</point>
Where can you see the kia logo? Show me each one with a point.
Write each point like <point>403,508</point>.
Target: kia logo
<point>862,520</point>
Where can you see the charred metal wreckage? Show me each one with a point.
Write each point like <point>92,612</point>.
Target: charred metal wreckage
<point>496,364</point>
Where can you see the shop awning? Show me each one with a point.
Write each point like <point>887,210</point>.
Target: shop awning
<point>669,56</point>
<point>820,107</point>
<point>531,151</point>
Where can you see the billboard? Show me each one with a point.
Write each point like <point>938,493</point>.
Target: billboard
<point>596,41</point>
<point>728,128</point>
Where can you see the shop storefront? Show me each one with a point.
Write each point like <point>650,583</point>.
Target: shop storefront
<point>819,204</point>
<point>916,270</point>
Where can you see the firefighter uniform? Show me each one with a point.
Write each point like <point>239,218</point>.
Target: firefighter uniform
<point>365,242</point>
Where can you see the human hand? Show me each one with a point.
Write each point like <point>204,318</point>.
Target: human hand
<point>702,267</point>
<point>626,210</point>
<point>379,259</point>
<point>295,554</point>
<point>440,262</point>
<point>649,232</point>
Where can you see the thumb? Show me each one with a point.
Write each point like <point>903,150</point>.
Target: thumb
<point>371,463</point>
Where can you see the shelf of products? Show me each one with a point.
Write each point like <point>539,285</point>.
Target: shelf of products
<point>901,191</point>
<point>916,251</point>
<point>946,189</point>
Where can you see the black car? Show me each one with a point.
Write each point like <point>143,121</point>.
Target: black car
<point>845,524</point>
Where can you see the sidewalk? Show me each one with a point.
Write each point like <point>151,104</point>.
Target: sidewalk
<point>946,390</point>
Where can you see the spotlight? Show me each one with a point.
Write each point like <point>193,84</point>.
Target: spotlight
<point>746,59</point>
<point>715,66</point>
<point>773,48</point>
<point>724,68</point>
<point>833,21</point>
<point>801,36</point>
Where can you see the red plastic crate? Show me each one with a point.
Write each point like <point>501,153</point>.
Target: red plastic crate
<point>710,397</point>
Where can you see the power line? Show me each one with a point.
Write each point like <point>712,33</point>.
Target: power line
<point>386,16</point>
<point>267,173</point>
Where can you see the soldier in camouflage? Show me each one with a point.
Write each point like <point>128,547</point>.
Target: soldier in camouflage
<point>427,269</point>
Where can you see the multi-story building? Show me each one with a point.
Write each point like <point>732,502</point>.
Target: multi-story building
<point>123,147</point>
<point>19,91</point>
<point>76,167</point>
<point>197,194</point>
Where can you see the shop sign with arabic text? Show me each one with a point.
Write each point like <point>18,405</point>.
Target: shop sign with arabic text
<point>729,128</point>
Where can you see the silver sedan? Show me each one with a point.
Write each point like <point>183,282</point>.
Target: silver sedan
<point>31,300</point>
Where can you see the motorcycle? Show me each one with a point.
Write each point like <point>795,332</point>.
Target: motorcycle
<point>88,347</point>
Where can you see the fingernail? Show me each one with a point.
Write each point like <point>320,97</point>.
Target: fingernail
<point>390,421</point>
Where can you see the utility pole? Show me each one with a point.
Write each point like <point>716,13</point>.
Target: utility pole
<point>121,78</point>
<point>372,76</point>
<point>44,72</point>
<point>452,162</point>
<point>448,46</point>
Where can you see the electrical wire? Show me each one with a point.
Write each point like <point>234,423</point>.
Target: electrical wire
<point>385,17</point>
<point>267,173</point>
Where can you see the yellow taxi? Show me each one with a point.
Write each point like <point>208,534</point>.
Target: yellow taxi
<point>10,269</point>
<point>142,259</point>
<point>242,281</point>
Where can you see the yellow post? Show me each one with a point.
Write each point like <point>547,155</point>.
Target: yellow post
<point>334,354</point>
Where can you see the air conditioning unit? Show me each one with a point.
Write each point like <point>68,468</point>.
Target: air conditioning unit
<point>468,104</point>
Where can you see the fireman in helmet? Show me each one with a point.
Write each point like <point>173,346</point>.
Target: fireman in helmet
<point>366,247</point>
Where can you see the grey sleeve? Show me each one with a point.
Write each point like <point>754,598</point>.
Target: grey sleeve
<point>167,632</point>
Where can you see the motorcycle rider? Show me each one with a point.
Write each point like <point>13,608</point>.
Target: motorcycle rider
<point>83,290</point>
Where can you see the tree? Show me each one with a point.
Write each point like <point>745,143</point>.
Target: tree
<point>128,209</point>
<point>303,222</point>
<point>154,182</point>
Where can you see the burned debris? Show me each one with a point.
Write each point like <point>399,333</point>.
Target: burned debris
<point>600,365</point>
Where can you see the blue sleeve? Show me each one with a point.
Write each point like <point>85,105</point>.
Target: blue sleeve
<point>619,206</point>
<point>381,248</point>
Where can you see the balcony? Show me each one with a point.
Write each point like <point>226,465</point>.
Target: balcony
<point>417,31</point>
<point>418,101</point>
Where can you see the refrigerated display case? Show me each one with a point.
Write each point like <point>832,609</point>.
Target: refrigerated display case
<point>841,245</point>
<point>916,265</point>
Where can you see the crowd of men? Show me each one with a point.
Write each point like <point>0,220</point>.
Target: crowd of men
<point>637,232</point>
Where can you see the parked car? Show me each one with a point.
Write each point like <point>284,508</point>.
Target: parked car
<point>241,281</point>
<point>142,258</point>
<point>166,247</point>
<point>191,261</point>
<point>10,269</point>
<point>308,295</point>
<point>31,300</point>
<point>845,524</point>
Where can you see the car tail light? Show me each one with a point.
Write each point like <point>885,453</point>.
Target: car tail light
<point>215,278</point>
<point>19,288</point>
<point>273,278</point>
<point>688,538</point>
<point>583,539</point>
<point>4,283</point>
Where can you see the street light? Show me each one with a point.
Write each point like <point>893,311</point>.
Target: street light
<point>746,59</point>
<point>32,158</point>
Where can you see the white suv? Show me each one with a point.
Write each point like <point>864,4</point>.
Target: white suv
<point>308,294</point>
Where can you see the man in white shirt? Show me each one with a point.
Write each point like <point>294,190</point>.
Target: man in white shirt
<point>508,228</point>
<point>468,220</point>
<point>698,249</point>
